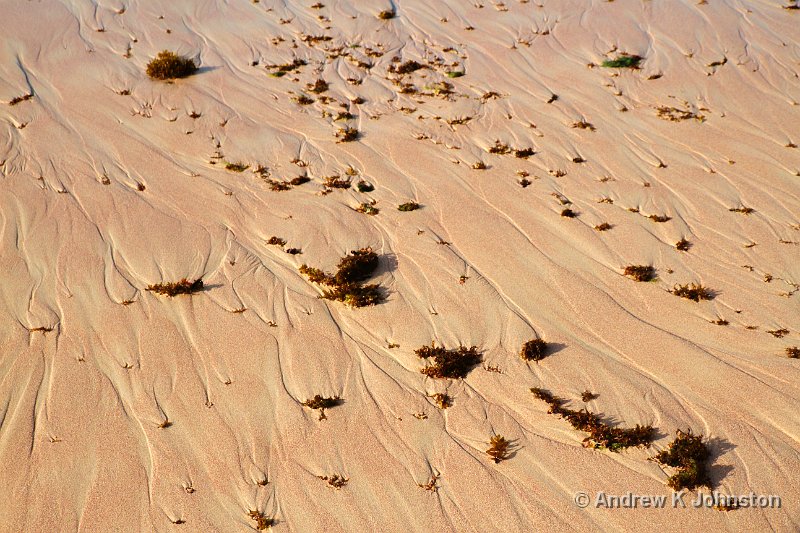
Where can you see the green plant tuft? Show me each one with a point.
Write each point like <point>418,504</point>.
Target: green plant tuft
<point>623,61</point>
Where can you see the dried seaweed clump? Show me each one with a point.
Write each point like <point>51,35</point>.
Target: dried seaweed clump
<point>688,454</point>
<point>262,521</point>
<point>169,66</point>
<point>452,364</point>
<point>183,286</point>
<point>336,481</point>
<point>683,245</point>
<point>498,448</point>
<point>674,114</point>
<point>534,350</point>
<point>442,401</point>
<point>406,68</point>
<point>321,403</point>
<point>355,294</point>
<point>640,272</point>
<point>318,87</point>
<point>408,206</point>
<point>601,435</point>
<point>793,352</point>
<point>693,291</point>
<point>345,285</point>
<point>347,134</point>
<point>386,14</point>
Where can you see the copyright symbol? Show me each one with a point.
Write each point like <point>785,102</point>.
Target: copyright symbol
<point>582,499</point>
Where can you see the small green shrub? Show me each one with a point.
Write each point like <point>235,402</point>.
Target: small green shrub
<point>169,66</point>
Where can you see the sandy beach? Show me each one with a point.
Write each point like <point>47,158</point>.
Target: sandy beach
<point>379,204</point>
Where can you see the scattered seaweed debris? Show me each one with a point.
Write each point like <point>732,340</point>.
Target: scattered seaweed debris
<point>588,396</point>
<point>387,14</point>
<point>262,521</point>
<point>18,99</point>
<point>321,403</point>
<point>640,272</point>
<point>442,401</point>
<point>688,454</point>
<point>430,486</point>
<point>693,291</point>
<point>449,364</point>
<point>534,350</point>
<point>183,286</point>
<point>582,124</point>
<point>741,209</point>
<point>601,435</point>
<point>683,245</point>
<point>498,448</point>
<point>793,352</point>
<point>336,481</point>
<point>623,61</point>
<point>169,66</point>
<point>674,114</point>
<point>603,226</point>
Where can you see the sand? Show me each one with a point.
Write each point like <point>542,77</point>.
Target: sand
<point>125,410</point>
